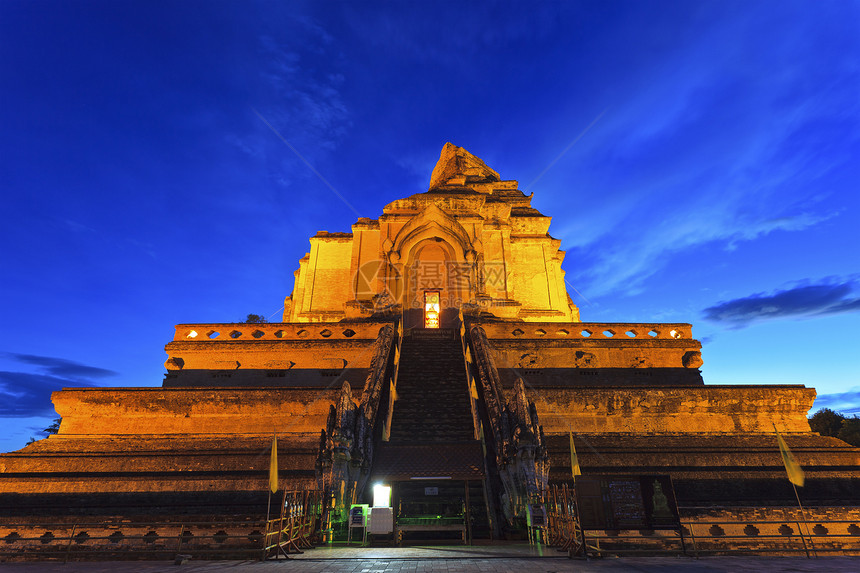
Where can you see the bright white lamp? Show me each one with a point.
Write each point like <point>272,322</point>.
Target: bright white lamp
<point>381,495</point>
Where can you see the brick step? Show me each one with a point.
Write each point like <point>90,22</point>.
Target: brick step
<point>417,407</point>
<point>406,433</point>
<point>448,434</point>
<point>434,416</point>
<point>428,439</point>
<point>433,398</point>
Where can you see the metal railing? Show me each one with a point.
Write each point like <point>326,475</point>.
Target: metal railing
<point>298,526</point>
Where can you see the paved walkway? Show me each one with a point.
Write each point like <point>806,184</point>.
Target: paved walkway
<point>452,559</point>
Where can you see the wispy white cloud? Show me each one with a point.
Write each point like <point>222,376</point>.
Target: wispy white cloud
<point>305,104</point>
<point>456,40</point>
<point>300,75</point>
<point>723,153</point>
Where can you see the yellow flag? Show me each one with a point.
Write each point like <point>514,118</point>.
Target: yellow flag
<point>460,315</point>
<point>386,427</point>
<point>393,391</point>
<point>273,466</point>
<point>473,389</point>
<point>396,356</point>
<point>574,460</point>
<point>792,468</point>
<point>468,355</point>
<point>400,329</point>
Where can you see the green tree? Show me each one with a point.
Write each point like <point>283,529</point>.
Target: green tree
<point>256,319</point>
<point>850,431</point>
<point>826,422</point>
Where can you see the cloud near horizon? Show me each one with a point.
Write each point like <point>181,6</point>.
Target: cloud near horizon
<point>28,394</point>
<point>804,300</point>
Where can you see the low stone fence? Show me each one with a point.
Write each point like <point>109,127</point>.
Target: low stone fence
<point>783,530</point>
<point>590,330</point>
<point>131,540</point>
<point>815,532</point>
<point>243,332</point>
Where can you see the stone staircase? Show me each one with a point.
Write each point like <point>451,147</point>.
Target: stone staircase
<point>433,395</point>
<point>432,411</point>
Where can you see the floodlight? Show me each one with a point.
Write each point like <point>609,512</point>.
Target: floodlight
<point>381,495</point>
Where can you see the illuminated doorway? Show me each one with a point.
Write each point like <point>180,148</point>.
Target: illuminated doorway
<point>431,308</point>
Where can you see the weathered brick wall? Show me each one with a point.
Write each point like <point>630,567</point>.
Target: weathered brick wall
<point>685,410</point>
<point>147,411</point>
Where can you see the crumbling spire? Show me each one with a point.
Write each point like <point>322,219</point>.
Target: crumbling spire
<point>457,167</point>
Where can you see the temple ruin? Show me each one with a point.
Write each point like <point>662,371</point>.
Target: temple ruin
<point>434,349</point>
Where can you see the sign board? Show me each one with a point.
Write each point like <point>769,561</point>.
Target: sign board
<point>628,507</point>
<point>626,502</point>
<point>358,515</point>
<point>431,491</point>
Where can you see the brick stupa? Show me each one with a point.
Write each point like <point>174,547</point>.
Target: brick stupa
<point>457,296</point>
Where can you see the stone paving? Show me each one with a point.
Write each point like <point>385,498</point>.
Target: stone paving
<point>453,559</point>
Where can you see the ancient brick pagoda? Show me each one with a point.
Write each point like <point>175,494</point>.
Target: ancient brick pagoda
<point>433,349</point>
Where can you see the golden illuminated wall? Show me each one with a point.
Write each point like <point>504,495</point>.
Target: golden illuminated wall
<point>322,291</point>
<point>473,236</point>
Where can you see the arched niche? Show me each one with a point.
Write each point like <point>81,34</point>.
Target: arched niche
<point>433,252</point>
<point>433,264</point>
<point>432,223</point>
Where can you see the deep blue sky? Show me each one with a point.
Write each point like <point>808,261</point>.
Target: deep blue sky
<point>699,160</point>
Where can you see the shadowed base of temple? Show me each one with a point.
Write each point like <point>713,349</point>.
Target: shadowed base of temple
<point>167,505</point>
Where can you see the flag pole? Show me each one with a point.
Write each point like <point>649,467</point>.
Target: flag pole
<point>273,471</point>
<point>791,467</point>
<point>266,538</point>
<point>805,521</point>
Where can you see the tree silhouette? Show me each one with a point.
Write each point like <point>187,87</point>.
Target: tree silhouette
<point>54,428</point>
<point>850,431</point>
<point>826,422</point>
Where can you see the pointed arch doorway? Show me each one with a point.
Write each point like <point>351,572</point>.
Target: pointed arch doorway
<point>433,291</point>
